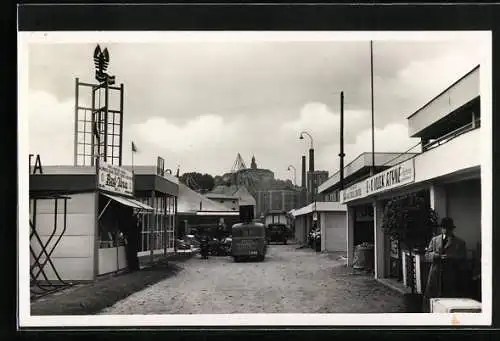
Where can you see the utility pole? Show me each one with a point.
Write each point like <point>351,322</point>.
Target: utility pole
<point>372,171</point>
<point>341,154</point>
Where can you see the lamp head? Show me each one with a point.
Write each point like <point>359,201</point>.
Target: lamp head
<point>301,137</point>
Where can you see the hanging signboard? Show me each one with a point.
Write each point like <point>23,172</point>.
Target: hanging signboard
<point>399,175</point>
<point>113,178</point>
<point>160,166</point>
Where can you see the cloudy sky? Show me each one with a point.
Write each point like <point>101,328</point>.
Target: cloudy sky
<point>198,104</point>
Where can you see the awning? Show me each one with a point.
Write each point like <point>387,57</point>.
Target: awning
<point>144,206</point>
<point>129,202</point>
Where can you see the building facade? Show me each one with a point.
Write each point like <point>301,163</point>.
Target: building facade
<point>447,173</point>
<point>314,179</point>
<point>329,217</point>
<point>355,171</point>
<point>160,192</point>
<point>275,200</point>
<point>80,216</point>
<point>229,201</point>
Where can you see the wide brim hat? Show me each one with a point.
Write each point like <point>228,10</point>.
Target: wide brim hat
<point>447,223</point>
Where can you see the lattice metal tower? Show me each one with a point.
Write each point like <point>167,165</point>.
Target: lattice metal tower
<point>98,124</point>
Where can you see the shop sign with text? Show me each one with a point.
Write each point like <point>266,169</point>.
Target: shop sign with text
<point>355,191</point>
<point>394,177</point>
<point>115,179</point>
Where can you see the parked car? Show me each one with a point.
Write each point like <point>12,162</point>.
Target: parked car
<point>226,246</point>
<point>277,233</point>
<point>182,245</point>
<point>192,241</point>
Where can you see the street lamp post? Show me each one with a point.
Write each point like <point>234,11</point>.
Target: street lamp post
<point>311,159</point>
<point>294,174</point>
<point>311,149</point>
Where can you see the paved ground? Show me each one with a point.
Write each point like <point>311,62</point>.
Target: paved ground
<point>288,281</point>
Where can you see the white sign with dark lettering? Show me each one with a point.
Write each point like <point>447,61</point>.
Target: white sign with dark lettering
<point>355,191</point>
<point>396,176</point>
<point>115,179</point>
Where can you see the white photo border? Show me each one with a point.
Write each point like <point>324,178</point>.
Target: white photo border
<point>25,319</point>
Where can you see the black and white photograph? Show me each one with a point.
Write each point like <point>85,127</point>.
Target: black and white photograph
<point>255,178</point>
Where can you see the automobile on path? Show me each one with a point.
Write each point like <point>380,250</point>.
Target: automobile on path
<point>248,241</point>
<point>277,233</point>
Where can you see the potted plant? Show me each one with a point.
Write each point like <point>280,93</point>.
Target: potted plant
<point>411,221</point>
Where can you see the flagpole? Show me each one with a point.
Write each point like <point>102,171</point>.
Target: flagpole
<point>132,147</point>
<point>373,118</point>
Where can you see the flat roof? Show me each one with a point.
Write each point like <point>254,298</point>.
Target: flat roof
<point>65,170</point>
<point>320,206</point>
<point>391,162</point>
<point>442,92</point>
<point>62,177</point>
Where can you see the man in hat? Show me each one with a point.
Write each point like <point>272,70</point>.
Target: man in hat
<point>447,253</point>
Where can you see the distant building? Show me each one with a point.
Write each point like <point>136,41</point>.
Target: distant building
<point>259,175</point>
<point>245,199</point>
<point>275,200</point>
<point>314,179</point>
<point>229,201</point>
<point>195,210</point>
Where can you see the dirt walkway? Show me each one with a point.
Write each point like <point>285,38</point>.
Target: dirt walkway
<point>86,299</point>
<point>289,281</point>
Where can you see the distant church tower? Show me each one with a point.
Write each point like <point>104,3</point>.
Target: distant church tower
<point>253,165</point>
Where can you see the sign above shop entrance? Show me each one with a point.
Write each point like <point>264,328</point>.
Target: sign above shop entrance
<point>115,179</point>
<point>399,175</point>
<point>37,167</point>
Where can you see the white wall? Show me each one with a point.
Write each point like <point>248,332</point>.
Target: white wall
<point>460,153</point>
<point>299,229</point>
<point>350,218</point>
<point>453,98</point>
<point>73,257</point>
<point>334,231</point>
<point>228,203</point>
<point>112,259</point>
<point>464,207</point>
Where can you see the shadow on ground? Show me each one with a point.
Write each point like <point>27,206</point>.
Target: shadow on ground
<point>86,299</point>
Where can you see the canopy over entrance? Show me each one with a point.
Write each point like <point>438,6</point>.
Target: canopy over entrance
<point>127,202</point>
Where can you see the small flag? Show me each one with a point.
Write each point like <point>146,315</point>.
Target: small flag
<point>134,148</point>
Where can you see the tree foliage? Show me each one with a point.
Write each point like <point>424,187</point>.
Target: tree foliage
<point>411,220</point>
<point>198,181</point>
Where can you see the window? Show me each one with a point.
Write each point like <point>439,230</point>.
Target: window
<point>170,222</point>
<point>154,224</point>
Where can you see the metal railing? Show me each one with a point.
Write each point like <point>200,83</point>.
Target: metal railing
<point>451,135</point>
<point>41,255</point>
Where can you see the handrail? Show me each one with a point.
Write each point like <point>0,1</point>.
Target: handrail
<point>445,138</point>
